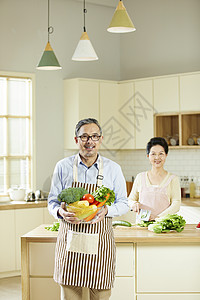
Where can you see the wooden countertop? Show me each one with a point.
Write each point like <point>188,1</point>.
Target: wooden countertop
<point>195,202</point>
<point>22,204</point>
<point>124,235</point>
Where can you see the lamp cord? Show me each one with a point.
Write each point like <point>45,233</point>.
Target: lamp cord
<point>84,12</point>
<point>50,28</point>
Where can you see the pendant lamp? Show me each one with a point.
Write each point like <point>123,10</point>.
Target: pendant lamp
<point>49,60</point>
<point>121,21</point>
<point>84,50</point>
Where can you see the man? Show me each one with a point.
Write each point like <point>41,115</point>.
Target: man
<point>85,252</point>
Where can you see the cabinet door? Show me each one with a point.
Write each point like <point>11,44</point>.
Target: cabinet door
<point>123,289</point>
<point>125,259</point>
<point>41,264</point>
<point>169,297</point>
<point>190,92</point>
<point>166,94</point>
<point>126,113</point>
<point>144,112</point>
<point>26,220</point>
<point>115,99</point>
<point>44,288</point>
<point>168,268</point>
<point>81,100</point>
<point>88,99</point>
<point>7,240</point>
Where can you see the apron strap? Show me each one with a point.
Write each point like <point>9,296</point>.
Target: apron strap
<point>100,173</point>
<point>75,169</point>
<point>144,174</point>
<point>168,181</point>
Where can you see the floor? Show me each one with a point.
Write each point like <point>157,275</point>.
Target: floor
<point>10,288</point>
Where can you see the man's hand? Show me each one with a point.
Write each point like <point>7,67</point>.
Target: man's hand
<point>67,216</point>
<point>101,215</point>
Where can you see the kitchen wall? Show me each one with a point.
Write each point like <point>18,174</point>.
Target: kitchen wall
<point>166,41</point>
<point>182,162</point>
<point>23,38</point>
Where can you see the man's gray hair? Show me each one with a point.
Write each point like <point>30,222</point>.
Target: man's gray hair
<point>84,122</point>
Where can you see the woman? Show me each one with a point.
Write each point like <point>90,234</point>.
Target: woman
<point>156,190</point>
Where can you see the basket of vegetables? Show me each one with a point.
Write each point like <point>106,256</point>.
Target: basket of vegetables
<point>85,205</point>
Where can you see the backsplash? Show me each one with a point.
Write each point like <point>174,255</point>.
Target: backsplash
<point>182,162</point>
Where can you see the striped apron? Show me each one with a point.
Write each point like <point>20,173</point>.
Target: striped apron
<point>85,253</point>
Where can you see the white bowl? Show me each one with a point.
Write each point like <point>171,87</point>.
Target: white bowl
<point>17,195</point>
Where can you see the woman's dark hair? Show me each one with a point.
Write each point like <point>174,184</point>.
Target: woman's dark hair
<point>84,122</point>
<point>157,141</point>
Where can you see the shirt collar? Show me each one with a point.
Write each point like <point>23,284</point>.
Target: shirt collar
<point>96,164</point>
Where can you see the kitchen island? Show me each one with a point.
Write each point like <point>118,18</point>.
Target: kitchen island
<point>150,266</point>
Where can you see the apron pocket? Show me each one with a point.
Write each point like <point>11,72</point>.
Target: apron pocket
<point>82,242</point>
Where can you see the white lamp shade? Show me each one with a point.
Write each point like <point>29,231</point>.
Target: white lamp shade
<point>84,50</point>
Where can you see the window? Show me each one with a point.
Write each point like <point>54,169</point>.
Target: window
<point>15,133</point>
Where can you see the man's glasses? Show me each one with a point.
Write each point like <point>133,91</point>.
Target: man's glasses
<point>85,137</point>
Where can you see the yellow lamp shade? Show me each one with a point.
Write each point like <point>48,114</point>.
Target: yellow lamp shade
<point>48,60</point>
<point>121,21</point>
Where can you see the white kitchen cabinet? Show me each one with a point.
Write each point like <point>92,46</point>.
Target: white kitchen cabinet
<point>25,220</point>
<point>40,265</point>
<point>190,92</point>
<point>81,100</point>
<point>125,265</point>
<point>169,297</point>
<point>123,289</point>
<point>116,103</point>
<point>166,94</point>
<point>7,236</point>
<point>165,277</point>
<point>144,112</point>
<point>125,259</point>
<point>44,288</point>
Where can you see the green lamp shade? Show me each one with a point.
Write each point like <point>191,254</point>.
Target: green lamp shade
<point>121,21</point>
<point>48,60</point>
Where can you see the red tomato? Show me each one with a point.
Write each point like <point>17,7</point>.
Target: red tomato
<point>89,198</point>
<point>95,202</point>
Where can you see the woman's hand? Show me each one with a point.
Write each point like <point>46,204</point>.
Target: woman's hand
<point>153,217</point>
<point>67,216</point>
<point>101,214</point>
<point>136,207</point>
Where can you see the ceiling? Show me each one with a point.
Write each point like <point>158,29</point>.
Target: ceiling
<point>110,3</point>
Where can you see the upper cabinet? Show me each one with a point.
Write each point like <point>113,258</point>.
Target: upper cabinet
<point>81,100</point>
<point>144,111</point>
<point>190,92</point>
<point>116,100</point>
<point>126,110</point>
<point>166,94</point>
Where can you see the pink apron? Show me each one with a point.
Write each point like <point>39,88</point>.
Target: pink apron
<point>85,253</point>
<point>154,197</point>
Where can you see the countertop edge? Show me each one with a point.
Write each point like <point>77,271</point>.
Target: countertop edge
<point>128,235</point>
<point>35,204</point>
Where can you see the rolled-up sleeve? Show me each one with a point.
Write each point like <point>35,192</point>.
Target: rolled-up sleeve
<point>120,206</point>
<point>56,188</point>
